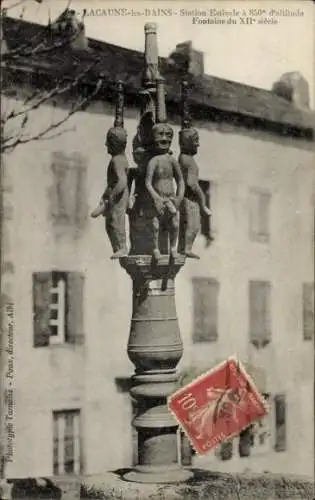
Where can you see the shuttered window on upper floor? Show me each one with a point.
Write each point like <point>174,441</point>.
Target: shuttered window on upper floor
<point>259,215</point>
<point>259,313</point>
<point>206,221</point>
<point>58,308</point>
<point>308,311</point>
<point>68,191</point>
<point>205,309</point>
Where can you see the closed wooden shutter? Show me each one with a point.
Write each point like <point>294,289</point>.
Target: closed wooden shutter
<point>80,187</point>
<point>308,311</point>
<point>205,307</point>
<point>259,215</point>
<point>226,450</point>
<point>58,194</point>
<point>245,442</point>
<point>259,311</point>
<point>205,220</point>
<point>68,193</point>
<point>42,283</point>
<point>280,422</point>
<point>74,308</point>
<point>263,214</point>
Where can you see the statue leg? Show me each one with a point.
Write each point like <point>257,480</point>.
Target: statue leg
<point>116,230</point>
<point>192,228</point>
<point>182,230</point>
<point>155,237</point>
<point>173,232</point>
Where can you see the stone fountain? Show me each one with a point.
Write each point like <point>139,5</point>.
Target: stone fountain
<point>163,202</point>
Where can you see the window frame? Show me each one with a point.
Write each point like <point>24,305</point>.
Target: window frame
<point>46,313</point>
<point>59,288</point>
<point>256,233</point>
<point>59,439</point>
<point>256,337</point>
<point>198,338</point>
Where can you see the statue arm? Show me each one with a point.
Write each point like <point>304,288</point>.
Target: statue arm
<point>149,184</point>
<point>193,184</point>
<point>122,180</point>
<point>131,189</point>
<point>179,181</point>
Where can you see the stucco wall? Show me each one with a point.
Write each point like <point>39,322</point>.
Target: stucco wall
<point>64,377</point>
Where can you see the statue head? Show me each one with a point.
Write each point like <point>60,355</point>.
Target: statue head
<point>116,140</point>
<point>162,137</point>
<point>189,141</point>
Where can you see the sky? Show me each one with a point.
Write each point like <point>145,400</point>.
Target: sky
<point>254,54</point>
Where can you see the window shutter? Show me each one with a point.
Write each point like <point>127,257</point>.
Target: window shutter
<point>308,311</point>
<point>69,443</point>
<point>280,422</point>
<point>42,283</point>
<point>259,210</point>
<point>206,291</point>
<point>245,442</point>
<point>69,206</point>
<point>75,304</point>
<point>186,450</point>
<point>59,167</point>
<point>263,214</point>
<point>226,450</point>
<point>259,308</point>
<point>80,188</point>
<point>205,220</point>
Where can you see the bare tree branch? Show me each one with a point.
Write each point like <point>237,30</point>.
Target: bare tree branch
<point>42,43</point>
<point>19,139</point>
<point>18,116</point>
<point>46,96</point>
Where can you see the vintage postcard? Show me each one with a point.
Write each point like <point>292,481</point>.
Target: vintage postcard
<point>157,222</point>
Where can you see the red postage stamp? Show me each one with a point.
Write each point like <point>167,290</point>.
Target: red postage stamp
<point>217,405</point>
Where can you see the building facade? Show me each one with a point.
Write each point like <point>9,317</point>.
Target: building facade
<point>251,294</point>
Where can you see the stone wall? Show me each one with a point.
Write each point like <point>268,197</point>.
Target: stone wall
<point>204,486</point>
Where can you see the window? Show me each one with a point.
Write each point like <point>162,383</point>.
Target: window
<point>68,193</point>
<point>308,311</point>
<point>206,226</point>
<point>259,313</point>
<point>257,438</point>
<point>57,308</point>
<point>259,214</point>
<point>280,423</point>
<point>66,442</point>
<point>205,309</point>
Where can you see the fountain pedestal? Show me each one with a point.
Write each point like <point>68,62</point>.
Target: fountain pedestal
<point>155,348</point>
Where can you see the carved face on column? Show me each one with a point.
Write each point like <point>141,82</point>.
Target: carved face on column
<point>116,140</point>
<point>139,152</point>
<point>189,141</point>
<point>162,137</point>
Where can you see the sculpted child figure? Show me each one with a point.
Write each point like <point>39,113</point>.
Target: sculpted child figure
<point>162,170</point>
<point>194,201</point>
<point>114,202</point>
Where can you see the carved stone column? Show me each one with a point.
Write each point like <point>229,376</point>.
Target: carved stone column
<point>155,346</point>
